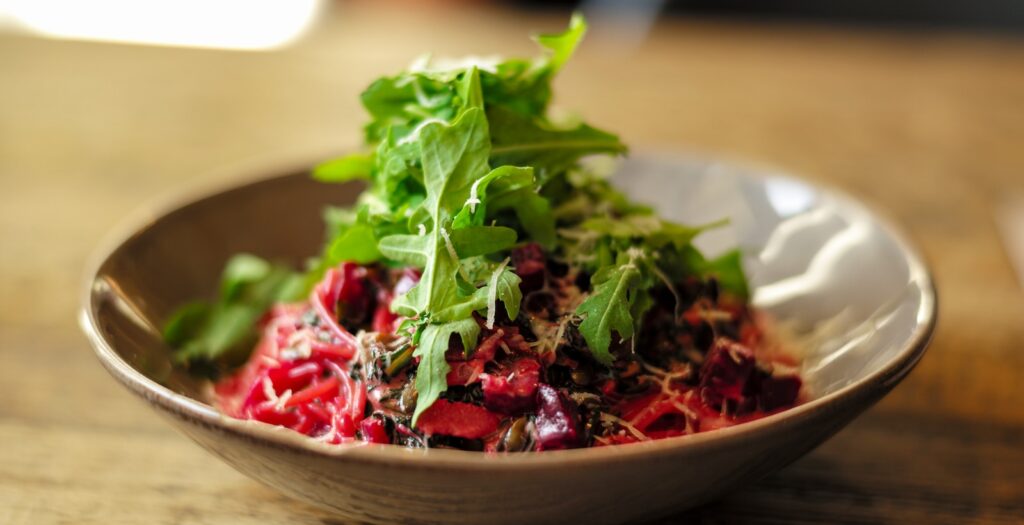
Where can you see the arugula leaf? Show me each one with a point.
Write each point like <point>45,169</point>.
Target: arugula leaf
<point>470,241</point>
<point>473,241</point>
<point>185,323</point>
<point>354,166</point>
<point>338,219</point>
<point>607,309</point>
<point>500,181</point>
<point>727,268</point>
<point>515,188</point>
<point>533,213</point>
<point>432,372</point>
<point>640,302</point>
<point>413,250</point>
<point>629,227</point>
<point>524,86</point>
<point>532,141</point>
<point>240,271</point>
<point>396,179</point>
<point>451,156</point>
<point>223,330</point>
<point>357,244</point>
<point>648,229</point>
<point>518,96</point>
<point>397,103</point>
<point>563,45</point>
<point>500,284</point>
<point>504,287</point>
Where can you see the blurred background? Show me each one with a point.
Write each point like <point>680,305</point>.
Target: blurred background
<point>915,106</point>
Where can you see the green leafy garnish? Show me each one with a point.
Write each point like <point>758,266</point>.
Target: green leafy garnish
<point>344,169</point>
<point>435,202</point>
<point>224,329</point>
<point>608,307</point>
<point>463,164</point>
<point>432,371</point>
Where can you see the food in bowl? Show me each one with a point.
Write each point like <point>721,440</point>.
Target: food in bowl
<point>488,291</point>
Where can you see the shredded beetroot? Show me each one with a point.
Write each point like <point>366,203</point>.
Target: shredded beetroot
<point>318,390</point>
<point>342,291</point>
<point>528,262</point>
<point>312,394</point>
<point>513,391</point>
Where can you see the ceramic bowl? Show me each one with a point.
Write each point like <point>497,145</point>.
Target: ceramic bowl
<point>856,297</point>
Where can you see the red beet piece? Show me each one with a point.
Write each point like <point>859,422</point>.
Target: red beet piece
<point>528,261</point>
<point>513,390</point>
<point>487,348</point>
<point>778,392</point>
<point>727,369</point>
<point>464,373</point>
<point>383,318</point>
<point>557,421</point>
<point>454,418</point>
<point>347,295</point>
<point>348,287</point>
<point>373,431</point>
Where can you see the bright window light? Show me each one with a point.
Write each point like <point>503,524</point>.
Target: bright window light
<point>222,24</point>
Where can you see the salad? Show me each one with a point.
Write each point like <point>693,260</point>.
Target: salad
<point>487,291</point>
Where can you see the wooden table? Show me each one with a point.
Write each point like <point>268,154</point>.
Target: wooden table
<point>929,128</point>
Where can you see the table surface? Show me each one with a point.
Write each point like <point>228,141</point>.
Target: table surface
<point>926,127</point>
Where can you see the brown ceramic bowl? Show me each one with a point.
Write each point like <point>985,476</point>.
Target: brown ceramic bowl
<point>855,294</point>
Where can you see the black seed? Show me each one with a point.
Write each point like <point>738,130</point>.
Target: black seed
<point>703,336</point>
<point>557,268</point>
<point>439,441</point>
<point>582,281</point>
<point>559,376</point>
<point>541,304</point>
<point>711,289</point>
<point>582,375</point>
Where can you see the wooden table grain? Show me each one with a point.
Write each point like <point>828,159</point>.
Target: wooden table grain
<point>926,127</point>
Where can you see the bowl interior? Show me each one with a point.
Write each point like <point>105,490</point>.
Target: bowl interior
<point>846,289</point>
<point>849,290</point>
<point>177,257</point>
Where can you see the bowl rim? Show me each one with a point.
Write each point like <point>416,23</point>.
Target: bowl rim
<point>195,411</point>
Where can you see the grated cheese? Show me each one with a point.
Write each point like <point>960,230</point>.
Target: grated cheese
<point>281,401</point>
<point>268,390</point>
<point>492,292</point>
<point>474,199</point>
<point>455,256</point>
<point>685,410</point>
<point>299,346</point>
<point>415,134</point>
<point>606,417</point>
